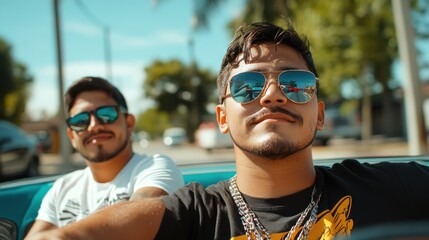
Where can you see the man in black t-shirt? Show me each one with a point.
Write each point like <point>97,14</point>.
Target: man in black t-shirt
<point>277,193</point>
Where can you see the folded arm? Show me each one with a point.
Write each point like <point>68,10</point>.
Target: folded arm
<point>40,226</point>
<point>127,220</point>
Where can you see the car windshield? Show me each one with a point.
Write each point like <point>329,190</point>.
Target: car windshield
<point>376,92</point>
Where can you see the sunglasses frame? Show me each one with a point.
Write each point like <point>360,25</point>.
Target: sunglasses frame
<point>117,108</point>
<point>263,73</point>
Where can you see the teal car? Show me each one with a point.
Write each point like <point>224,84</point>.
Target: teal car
<point>21,199</point>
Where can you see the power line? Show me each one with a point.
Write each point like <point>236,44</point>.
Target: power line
<point>106,36</point>
<point>89,13</point>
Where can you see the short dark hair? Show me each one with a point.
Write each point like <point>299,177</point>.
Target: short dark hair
<point>93,84</point>
<point>259,33</point>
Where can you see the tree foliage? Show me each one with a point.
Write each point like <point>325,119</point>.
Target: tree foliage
<point>348,39</point>
<point>153,122</point>
<point>15,81</point>
<point>180,90</point>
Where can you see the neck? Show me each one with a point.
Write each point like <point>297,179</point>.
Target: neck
<point>107,171</point>
<point>274,178</point>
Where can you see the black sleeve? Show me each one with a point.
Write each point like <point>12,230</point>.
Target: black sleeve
<point>400,186</point>
<point>193,212</point>
<point>413,178</point>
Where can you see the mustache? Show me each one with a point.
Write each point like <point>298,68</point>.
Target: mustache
<point>96,133</point>
<point>272,110</point>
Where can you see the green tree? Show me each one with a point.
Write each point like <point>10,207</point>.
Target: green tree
<point>153,122</point>
<point>14,86</point>
<point>180,90</point>
<point>354,40</point>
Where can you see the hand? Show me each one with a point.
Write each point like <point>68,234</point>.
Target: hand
<point>47,235</point>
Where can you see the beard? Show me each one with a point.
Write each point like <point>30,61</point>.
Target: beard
<point>103,154</point>
<point>275,148</point>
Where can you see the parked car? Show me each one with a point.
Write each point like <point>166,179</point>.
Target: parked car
<point>338,126</point>
<point>142,138</point>
<point>19,154</point>
<point>209,137</point>
<point>26,194</point>
<point>174,136</point>
<point>44,140</point>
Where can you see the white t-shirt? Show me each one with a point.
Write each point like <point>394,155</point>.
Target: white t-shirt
<point>76,195</point>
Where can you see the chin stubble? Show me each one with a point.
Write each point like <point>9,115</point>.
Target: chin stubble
<point>103,155</point>
<point>274,148</point>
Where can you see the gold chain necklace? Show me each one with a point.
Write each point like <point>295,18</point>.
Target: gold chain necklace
<point>254,228</point>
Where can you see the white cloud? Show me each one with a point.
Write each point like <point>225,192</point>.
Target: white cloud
<point>159,38</point>
<point>170,37</point>
<point>82,28</point>
<point>156,39</point>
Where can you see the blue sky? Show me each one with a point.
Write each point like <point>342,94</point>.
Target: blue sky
<point>140,33</point>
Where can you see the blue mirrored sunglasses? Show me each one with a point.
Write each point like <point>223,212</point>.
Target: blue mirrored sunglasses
<point>104,114</point>
<point>298,86</point>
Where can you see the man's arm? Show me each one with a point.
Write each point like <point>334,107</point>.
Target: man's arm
<point>126,220</point>
<point>40,226</point>
<point>148,192</point>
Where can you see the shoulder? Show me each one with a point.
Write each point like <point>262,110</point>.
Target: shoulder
<point>351,168</point>
<point>153,171</point>
<point>158,159</point>
<point>354,164</point>
<point>73,177</point>
<point>143,162</point>
<point>162,159</point>
<point>73,180</point>
<point>195,192</point>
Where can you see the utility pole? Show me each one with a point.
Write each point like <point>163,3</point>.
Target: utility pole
<point>195,80</point>
<point>412,88</point>
<point>107,52</point>
<point>65,148</point>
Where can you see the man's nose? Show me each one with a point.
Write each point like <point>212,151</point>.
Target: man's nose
<point>273,94</point>
<point>94,123</point>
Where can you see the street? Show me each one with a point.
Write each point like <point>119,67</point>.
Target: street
<point>185,154</point>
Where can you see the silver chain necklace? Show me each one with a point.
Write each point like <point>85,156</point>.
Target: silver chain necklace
<point>254,228</point>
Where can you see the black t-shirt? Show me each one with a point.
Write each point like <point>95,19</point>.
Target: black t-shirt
<point>354,195</point>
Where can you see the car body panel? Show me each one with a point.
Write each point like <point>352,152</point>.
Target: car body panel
<point>337,125</point>
<point>209,137</point>
<point>174,136</point>
<point>19,154</point>
<point>21,199</point>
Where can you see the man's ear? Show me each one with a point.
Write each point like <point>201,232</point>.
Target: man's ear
<point>320,115</point>
<point>221,118</point>
<point>131,121</point>
<point>71,137</point>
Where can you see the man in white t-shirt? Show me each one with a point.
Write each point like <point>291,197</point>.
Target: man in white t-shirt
<point>100,127</point>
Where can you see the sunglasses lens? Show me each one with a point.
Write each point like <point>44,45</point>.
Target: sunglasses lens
<point>79,122</point>
<point>298,86</point>
<point>107,114</point>
<point>246,87</point>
